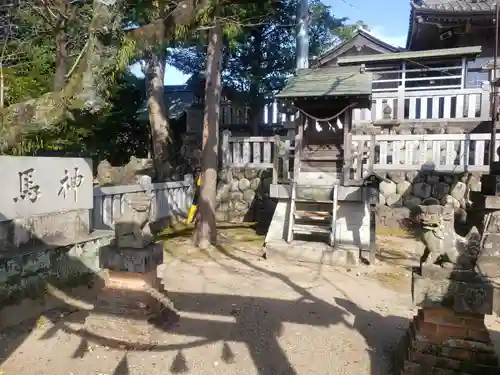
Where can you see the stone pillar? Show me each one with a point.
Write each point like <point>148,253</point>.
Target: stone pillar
<point>131,299</point>
<point>448,335</point>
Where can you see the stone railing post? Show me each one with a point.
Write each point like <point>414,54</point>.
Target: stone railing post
<point>276,158</point>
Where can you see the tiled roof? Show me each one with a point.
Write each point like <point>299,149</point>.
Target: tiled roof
<point>468,6</point>
<point>317,82</point>
<point>411,55</point>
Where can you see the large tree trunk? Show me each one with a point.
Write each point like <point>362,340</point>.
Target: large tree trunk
<point>85,88</point>
<point>158,116</point>
<point>206,231</point>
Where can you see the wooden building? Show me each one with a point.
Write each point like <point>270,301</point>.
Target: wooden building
<point>366,108</point>
<point>323,198</point>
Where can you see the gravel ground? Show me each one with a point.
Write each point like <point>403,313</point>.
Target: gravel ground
<point>241,315</point>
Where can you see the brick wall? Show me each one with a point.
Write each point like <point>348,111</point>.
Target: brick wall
<point>443,341</point>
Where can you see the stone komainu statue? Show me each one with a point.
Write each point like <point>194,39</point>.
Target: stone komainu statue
<point>132,228</point>
<point>443,246</point>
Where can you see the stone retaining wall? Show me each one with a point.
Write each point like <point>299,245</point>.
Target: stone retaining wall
<point>54,249</point>
<point>243,195</point>
<point>404,191</point>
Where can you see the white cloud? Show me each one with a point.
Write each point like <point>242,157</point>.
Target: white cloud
<point>398,40</point>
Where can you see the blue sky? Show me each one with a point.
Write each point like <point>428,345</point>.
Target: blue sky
<point>388,20</point>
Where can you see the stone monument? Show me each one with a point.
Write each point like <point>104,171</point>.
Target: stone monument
<point>131,301</point>
<point>448,336</point>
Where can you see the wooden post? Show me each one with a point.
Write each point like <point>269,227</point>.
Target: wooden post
<point>400,113</point>
<point>226,152</point>
<point>286,162</point>
<point>347,158</point>
<point>485,102</point>
<point>276,158</point>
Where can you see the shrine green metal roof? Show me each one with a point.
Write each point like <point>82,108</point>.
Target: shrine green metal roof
<point>411,55</point>
<point>334,81</point>
<point>456,6</point>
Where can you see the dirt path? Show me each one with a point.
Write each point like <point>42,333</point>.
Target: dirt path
<point>244,315</point>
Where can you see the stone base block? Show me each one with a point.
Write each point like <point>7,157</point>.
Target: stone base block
<point>318,253</point>
<point>442,341</point>
<point>462,291</point>
<point>129,307</point>
<point>130,259</point>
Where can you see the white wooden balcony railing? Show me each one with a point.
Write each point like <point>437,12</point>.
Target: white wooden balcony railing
<point>429,105</point>
<point>451,153</point>
<point>417,106</point>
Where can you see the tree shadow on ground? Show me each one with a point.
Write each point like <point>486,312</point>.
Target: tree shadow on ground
<point>257,322</point>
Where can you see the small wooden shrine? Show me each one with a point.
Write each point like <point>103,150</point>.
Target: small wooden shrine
<point>323,197</point>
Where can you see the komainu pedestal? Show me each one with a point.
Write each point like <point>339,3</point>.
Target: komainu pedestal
<point>448,336</point>
<point>132,301</point>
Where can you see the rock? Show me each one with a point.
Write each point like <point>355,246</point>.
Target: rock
<point>223,207</point>
<point>422,190</point>
<point>463,203</point>
<point>393,200</point>
<point>403,188</point>
<point>464,177</point>
<point>460,216</point>
<point>234,217</point>
<point>440,190</point>
<point>431,202</point>
<point>220,216</point>
<point>223,192</point>
<point>474,182</point>
<point>251,173</point>
<point>397,177</point>
<point>448,179</point>
<point>238,173</point>
<point>387,188</point>
<point>432,179</point>
<point>411,176</point>
<point>225,175</point>
<point>458,190</point>
<point>235,185</point>
<point>244,184</point>
<point>449,201</point>
<point>249,195</point>
<point>236,196</point>
<point>421,177</point>
<point>381,199</point>
<point>254,185</point>
<point>412,202</point>
<point>240,206</point>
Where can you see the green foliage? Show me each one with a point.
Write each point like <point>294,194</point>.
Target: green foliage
<point>115,134</point>
<point>260,47</point>
<point>29,67</point>
<point>347,32</point>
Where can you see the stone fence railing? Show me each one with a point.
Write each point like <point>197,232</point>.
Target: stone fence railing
<point>169,199</point>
